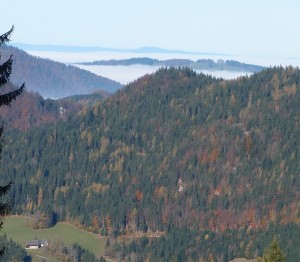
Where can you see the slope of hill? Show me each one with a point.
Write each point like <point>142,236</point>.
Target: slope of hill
<point>53,79</point>
<point>209,165</point>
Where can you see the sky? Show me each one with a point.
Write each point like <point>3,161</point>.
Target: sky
<point>238,27</point>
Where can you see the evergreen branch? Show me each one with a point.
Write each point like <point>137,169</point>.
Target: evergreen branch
<point>5,189</point>
<point>6,99</point>
<point>3,248</point>
<point>5,71</point>
<point>4,209</point>
<point>5,37</point>
<point>1,139</point>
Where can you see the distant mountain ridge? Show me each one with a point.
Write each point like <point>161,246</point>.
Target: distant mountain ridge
<point>54,79</point>
<point>201,64</point>
<point>145,49</point>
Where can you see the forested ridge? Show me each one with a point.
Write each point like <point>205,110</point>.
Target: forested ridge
<point>201,64</point>
<point>185,156</point>
<point>53,79</point>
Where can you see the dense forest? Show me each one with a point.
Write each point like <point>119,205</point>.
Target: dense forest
<point>53,79</point>
<point>201,64</point>
<point>192,166</point>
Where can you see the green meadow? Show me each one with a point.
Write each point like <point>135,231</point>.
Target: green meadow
<point>16,229</point>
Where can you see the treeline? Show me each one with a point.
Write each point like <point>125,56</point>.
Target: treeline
<point>53,79</point>
<point>200,153</point>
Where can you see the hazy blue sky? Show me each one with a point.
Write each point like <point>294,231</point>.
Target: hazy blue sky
<point>242,27</point>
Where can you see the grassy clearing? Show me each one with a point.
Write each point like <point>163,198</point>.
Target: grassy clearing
<point>41,256</point>
<point>16,229</point>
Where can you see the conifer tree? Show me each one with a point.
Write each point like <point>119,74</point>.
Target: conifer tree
<point>5,99</point>
<point>273,253</point>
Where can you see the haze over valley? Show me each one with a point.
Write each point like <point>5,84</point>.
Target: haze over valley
<point>127,74</point>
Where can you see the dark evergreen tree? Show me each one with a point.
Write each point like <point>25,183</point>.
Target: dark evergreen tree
<point>5,99</point>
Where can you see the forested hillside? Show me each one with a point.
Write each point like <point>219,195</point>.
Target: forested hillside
<point>53,79</point>
<point>209,165</point>
<point>32,110</point>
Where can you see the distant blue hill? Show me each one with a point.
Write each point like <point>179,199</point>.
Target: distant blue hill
<point>145,49</point>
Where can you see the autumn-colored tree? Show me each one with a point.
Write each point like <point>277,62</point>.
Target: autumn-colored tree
<point>139,195</point>
<point>6,99</point>
<point>248,144</point>
<point>95,224</point>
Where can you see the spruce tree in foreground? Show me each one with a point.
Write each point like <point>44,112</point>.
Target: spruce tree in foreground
<point>5,99</point>
<point>273,253</point>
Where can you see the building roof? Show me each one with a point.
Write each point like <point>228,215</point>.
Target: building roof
<point>33,243</point>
